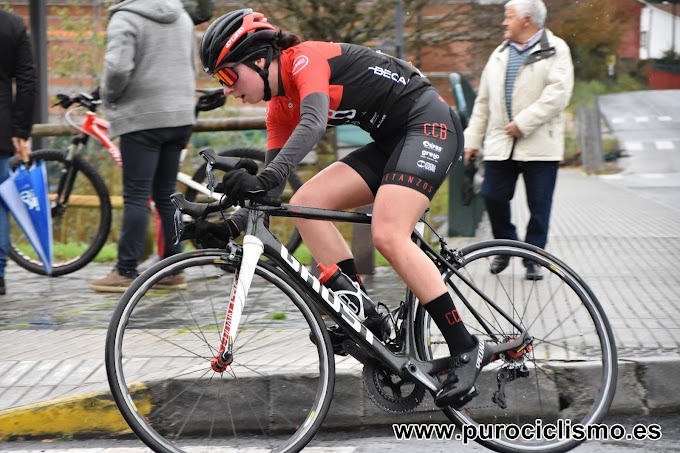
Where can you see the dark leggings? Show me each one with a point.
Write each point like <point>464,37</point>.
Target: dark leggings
<point>150,165</point>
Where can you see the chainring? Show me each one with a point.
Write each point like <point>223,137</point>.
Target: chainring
<point>389,391</point>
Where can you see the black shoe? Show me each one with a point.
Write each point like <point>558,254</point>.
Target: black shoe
<point>3,290</point>
<point>458,389</point>
<point>534,272</point>
<point>499,263</point>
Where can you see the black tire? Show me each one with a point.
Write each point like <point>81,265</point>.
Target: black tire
<point>282,228</point>
<point>85,231</point>
<point>571,369</point>
<point>274,395</point>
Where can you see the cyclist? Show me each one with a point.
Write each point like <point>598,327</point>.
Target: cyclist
<point>309,86</point>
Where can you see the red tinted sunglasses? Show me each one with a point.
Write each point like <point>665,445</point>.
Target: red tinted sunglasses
<point>226,76</point>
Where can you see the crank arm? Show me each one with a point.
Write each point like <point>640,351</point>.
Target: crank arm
<point>417,375</point>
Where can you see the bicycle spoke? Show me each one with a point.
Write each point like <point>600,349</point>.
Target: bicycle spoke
<point>570,344</point>
<point>192,403</point>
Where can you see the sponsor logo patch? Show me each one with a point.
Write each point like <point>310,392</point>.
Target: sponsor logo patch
<point>300,63</point>
<point>428,166</point>
<point>432,146</point>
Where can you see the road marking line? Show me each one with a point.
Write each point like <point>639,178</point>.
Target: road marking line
<point>641,119</point>
<point>618,120</point>
<point>664,144</point>
<point>664,118</point>
<point>633,146</point>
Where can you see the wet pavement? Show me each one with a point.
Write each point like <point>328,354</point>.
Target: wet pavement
<point>623,245</point>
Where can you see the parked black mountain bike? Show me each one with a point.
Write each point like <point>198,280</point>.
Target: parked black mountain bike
<point>81,204</point>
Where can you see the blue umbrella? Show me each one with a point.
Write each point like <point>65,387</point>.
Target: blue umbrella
<point>25,194</point>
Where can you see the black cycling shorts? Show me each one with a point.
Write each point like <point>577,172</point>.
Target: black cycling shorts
<point>422,157</point>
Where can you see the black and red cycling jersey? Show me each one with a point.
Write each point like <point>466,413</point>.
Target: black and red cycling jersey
<point>359,85</point>
<point>362,85</point>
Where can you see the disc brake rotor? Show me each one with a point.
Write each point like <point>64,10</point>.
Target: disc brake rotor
<point>389,391</point>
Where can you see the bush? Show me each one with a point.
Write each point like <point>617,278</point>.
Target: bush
<point>587,90</point>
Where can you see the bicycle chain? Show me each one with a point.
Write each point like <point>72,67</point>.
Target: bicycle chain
<point>377,379</point>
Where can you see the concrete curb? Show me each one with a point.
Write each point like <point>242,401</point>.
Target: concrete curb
<point>645,386</point>
<point>82,415</point>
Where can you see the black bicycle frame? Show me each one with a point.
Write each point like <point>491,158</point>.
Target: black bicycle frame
<point>68,177</point>
<point>404,362</point>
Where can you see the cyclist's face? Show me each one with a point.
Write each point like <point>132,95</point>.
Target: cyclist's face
<point>248,86</point>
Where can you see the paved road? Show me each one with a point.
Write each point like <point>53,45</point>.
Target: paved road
<point>382,440</point>
<point>647,126</point>
<point>626,247</point>
<point>620,233</point>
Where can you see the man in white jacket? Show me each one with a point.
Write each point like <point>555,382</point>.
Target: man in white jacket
<point>518,115</point>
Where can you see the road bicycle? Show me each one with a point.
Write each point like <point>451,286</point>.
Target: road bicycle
<point>241,359</point>
<point>80,201</point>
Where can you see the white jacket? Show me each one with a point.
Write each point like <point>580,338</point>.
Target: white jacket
<point>542,90</point>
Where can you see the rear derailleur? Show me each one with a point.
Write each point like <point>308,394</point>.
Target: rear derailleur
<point>507,374</point>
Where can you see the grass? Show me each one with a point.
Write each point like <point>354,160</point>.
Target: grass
<point>64,252</point>
<point>585,91</point>
<point>109,253</point>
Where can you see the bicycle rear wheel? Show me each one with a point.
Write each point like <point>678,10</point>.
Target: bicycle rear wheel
<point>283,228</point>
<point>567,376</point>
<point>79,227</point>
<point>273,397</point>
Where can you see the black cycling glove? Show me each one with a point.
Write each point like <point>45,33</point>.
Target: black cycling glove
<point>241,186</point>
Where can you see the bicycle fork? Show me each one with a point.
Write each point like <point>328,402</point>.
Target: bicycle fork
<point>67,179</point>
<point>243,277</point>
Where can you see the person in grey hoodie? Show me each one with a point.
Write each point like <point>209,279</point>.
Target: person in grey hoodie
<point>147,89</point>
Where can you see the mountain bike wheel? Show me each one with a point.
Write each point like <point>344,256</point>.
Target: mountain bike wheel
<point>283,228</point>
<point>80,225</point>
<point>568,375</point>
<point>273,397</point>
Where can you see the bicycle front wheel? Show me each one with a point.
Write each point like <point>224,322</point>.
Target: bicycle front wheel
<point>272,397</point>
<point>81,215</point>
<point>283,228</point>
<point>566,377</point>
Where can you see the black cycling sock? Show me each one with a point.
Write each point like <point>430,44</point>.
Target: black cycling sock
<point>444,313</point>
<point>349,268</point>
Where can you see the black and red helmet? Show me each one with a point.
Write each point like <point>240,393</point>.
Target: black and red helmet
<point>235,37</point>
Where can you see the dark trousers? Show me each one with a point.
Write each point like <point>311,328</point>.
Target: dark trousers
<point>500,179</point>
<point>150,165</point>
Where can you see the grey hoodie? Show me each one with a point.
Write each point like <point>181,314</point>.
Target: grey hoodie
<point>150,67</point>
